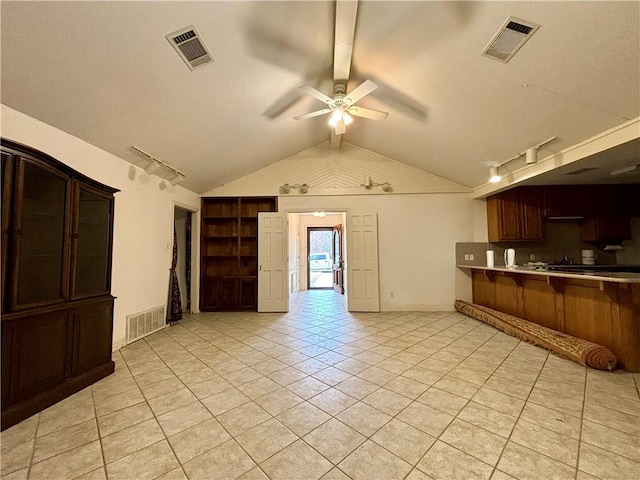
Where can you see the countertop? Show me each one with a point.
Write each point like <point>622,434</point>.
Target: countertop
<point>617,277</point>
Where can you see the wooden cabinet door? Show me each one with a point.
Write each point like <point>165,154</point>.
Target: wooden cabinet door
<point>248,293</point>
<point>8,167</point>
<point>41,228</point>
<point>91,242</point>
<point>568,201</point>
<point>531,214</point>
<point>39,353</point>
<point>503,217</point>
<point>92,335</point>
<point>509,208</point>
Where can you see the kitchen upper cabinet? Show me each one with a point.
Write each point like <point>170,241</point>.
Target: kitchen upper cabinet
<point>515,215</point>
<point>603,211</point>
<point>567,201</point>
<point>612,207</point>
<point>57,309</point>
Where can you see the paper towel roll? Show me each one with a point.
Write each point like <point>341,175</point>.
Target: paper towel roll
<point>490,258</point>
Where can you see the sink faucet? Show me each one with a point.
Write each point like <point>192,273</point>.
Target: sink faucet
<point>566,261</point>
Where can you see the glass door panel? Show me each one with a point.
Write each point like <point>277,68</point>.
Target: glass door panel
<point>40,275</point>
<point>92,237</point>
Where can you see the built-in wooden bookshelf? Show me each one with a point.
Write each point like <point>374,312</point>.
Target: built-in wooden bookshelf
<point>229,252</point>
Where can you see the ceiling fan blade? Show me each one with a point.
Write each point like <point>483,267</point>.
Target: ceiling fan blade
<point>345,29</point>
<point>340,127</point>
<point>365,88</point>
<point>368,113</point>
<point>312,114</point>
<point>308,89</point>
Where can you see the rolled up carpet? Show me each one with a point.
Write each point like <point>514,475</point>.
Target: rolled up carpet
<point>572,348</point>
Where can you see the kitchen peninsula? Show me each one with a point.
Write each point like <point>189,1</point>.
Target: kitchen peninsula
<point>602,307</point>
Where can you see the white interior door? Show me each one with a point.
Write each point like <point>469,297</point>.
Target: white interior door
<point>273,295</point>
<point>362,263</point>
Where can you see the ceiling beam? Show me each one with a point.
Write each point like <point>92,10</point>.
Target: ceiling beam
<point>346,11</point>
<point>335,139</point>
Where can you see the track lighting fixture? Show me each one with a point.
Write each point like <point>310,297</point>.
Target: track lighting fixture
<point>173,175</point>
<point>286,188</point>
<point>176,179</point>
<point>494,174</point>
<point>531,157</point>
<point>369,183</point>
<point>153,166</point>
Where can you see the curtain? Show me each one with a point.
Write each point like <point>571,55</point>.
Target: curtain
<point>174,312</point>
<point>188,261</point>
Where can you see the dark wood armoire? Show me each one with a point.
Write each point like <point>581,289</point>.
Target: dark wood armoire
<point>57,308</point>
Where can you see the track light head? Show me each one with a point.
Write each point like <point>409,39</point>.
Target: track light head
<point>494,175</point>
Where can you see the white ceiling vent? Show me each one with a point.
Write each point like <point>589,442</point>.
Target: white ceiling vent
<point>508,40</point>
<point>190,47</point>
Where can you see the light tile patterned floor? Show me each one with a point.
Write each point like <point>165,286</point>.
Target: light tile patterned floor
<point>321,393</point>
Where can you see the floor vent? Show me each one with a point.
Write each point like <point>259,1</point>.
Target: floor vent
<point>190,47</point>
<point>144,323</point>
<point>509,38</point>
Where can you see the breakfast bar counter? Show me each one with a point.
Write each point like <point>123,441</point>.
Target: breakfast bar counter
<point>602,307</point>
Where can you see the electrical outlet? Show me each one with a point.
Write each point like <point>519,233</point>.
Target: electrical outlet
<point>532,256</point>
<point>466,257</point>
<point>472,257</point>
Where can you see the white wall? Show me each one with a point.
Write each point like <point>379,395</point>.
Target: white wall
<point>143,223</point>
<point>416,235</point>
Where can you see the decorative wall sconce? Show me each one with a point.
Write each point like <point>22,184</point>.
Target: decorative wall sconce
<point>368,184</point>
<point>531,157</point>
<point>286,188</point>
<point>156,166</point>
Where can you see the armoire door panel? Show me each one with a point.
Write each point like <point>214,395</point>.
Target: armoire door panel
<point>92,335</point>
<point>40,233</point>
<point>39,353</point>
<point>91,243</point>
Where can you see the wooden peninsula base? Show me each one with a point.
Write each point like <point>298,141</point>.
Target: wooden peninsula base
<point>601,309</point>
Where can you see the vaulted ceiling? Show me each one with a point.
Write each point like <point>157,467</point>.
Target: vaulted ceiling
<point>104,72</point>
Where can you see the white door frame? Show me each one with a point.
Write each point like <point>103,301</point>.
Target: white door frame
<point>346,247</point>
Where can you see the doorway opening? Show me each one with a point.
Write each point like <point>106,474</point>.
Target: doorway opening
<point>320,258</point>
<point>333,224</point>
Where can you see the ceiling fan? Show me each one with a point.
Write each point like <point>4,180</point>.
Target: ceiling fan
<point>342,106</point>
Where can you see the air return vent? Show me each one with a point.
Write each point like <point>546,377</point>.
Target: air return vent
<point>144,323</point>
<point>189,45</point>
<point>511,36</point>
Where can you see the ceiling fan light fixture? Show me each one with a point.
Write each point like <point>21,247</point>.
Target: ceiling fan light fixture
<point>335,117</point>
<point>347,119</point>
